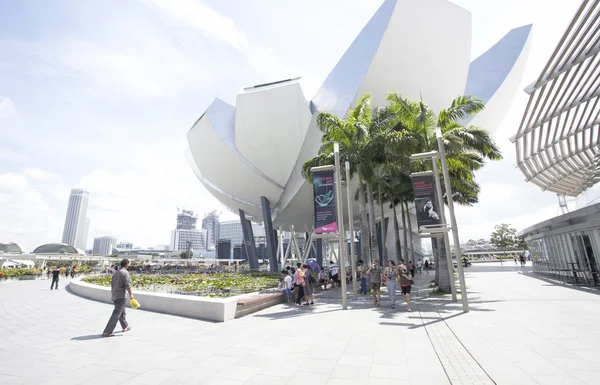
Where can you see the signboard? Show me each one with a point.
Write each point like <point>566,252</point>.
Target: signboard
<point>324,202</point>
<point>425,201</point>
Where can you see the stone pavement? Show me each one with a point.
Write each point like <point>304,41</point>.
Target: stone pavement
<point>521,330</point>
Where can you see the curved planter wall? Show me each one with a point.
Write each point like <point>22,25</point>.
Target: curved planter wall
<point>211,309</point>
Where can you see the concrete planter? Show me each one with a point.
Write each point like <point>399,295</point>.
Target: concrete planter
<point>210,309</point>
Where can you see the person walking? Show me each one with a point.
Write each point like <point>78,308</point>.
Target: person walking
<point>334,274</point>
<point>405,285</point>
<point>375,272</point>
<point>391,274</point>
<point>426,266</point>
<point>309,280</point>
<point>362,273</point>
<point>120,286</point>
<point>300,286</point>
<point>55,278</point>
<point>48,272</point>
<point>411,268</point>
<point>73,271</point>
<point>420,266</point>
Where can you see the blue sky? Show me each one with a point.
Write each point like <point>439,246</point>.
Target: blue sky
<point>99,95</point>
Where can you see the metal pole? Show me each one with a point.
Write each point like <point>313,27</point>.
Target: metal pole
<point>351,229</point>
<point>340,221</point>
<point>461,273</point>
<point>438,189</point>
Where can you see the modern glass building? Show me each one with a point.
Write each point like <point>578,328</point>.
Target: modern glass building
<point>77,224</point>
<point>558,149</point>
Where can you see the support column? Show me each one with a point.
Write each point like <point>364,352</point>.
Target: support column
<point>269,234</point>
<point>319,251</point>
<point>249,241</point>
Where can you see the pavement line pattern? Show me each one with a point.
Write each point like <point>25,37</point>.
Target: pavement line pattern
<point>458,363</point>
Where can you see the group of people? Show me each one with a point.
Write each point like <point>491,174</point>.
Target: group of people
<point>298,284</point>
<point>54,272</point>
<point>391,275</point>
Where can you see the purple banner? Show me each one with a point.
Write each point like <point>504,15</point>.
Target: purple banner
<point>324,201</point>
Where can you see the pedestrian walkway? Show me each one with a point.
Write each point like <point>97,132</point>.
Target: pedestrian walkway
<point>521,330</point>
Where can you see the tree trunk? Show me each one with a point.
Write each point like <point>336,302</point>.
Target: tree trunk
<point>383,231</point>
<point>405,257</point>
<point>397,249</point>
<point>365,250</point>
<point>442,278</point>
<point>410,234</point>
<point>371,208</point>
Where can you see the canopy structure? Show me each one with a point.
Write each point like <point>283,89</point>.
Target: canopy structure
<point>558,142</point>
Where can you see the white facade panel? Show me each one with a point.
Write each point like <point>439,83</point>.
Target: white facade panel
<point>273,118</point>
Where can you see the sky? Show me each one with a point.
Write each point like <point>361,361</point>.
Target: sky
<point>100,95</point>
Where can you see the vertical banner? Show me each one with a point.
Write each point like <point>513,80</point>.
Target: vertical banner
<point>425,200</point>
<point>324,201</point>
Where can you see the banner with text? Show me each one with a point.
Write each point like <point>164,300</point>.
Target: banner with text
<point>324,201</point>
<point>425,200</point>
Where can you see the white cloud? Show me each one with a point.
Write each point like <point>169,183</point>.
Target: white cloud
<point>27,217</point>
<point>8,110</point>
<point>198,16</point>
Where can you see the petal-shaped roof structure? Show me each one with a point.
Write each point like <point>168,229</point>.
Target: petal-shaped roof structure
<point>258,147</point>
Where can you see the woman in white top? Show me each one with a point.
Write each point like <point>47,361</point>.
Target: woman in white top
<point>391,273</point>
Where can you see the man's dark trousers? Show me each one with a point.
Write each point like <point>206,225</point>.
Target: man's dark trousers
<point>118,314</point>
<point>54,283</point>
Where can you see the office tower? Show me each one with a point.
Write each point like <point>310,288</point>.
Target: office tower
<point>210,223</point>
<point>232,230</point>
<point>186,220</point>
<point>104,246</point>
<point>186,236</point>
<point>76,222</point>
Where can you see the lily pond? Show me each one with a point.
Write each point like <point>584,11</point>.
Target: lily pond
<point>210,284</point>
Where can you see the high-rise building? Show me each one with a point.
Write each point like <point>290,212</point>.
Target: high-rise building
<point>188,239</point>
<point>186,220</point>
<point>232,230</point>
<point>104,246</point>
<point>210,223</point>
<point>76,223</point>
<point>186,236</point>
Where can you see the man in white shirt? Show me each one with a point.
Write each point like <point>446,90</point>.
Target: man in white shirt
<point>419,266</point>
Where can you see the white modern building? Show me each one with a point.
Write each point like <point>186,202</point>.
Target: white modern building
<point>250,156</point>
<point>194,239</point>
<point>232,231</point>
<point>77,224</point>
<point>104,246</point>
<point>558,149</point>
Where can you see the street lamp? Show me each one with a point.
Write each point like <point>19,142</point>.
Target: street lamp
<point>433,155</point>
<point>453,224</point>
<point>340,217</point>
<point>351,230</point>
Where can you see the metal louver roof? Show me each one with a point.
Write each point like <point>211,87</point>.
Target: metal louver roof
<point>558,141</point>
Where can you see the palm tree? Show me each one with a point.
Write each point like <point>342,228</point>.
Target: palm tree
<point>467,147</point>
<point>354,135</point>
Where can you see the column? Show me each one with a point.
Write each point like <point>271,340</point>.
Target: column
<point>269,234</point>
<point>249,241</point>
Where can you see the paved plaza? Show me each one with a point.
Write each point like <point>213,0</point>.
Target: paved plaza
<point>521,330</point>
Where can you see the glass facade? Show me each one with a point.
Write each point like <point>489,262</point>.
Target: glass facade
<point>570,254</point>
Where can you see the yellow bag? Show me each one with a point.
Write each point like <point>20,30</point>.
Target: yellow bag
<point>134,304</point>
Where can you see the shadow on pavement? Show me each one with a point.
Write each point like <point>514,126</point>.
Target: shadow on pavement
<point>553,282</point>
<point>91,337</point>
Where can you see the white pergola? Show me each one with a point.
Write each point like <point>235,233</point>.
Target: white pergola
<point>558,141</point>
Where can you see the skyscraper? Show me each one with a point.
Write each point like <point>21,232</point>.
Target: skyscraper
<point>210,223</point>
<point>186,236</point>
<point>104,246</point>
<point>76,222</point>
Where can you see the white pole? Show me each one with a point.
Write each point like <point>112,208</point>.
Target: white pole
<point>351,230</point>
<point>340,222</point>
<point>442,210</point>
<point>461,273</point>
